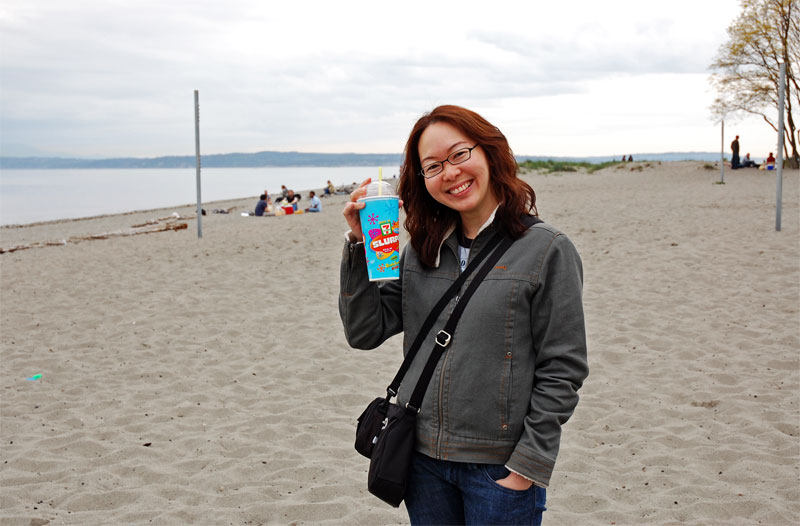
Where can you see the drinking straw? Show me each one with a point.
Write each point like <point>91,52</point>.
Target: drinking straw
<point>380,180</point>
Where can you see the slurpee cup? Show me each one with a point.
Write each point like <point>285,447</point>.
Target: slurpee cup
<point>380,223</point>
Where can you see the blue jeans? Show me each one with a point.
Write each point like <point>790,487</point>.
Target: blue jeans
<point>444,492</point>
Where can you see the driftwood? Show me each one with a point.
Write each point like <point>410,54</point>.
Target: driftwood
<point>134,231</point>
<point>147,223</point>
<point>161,228</point>
<point>174,217</point>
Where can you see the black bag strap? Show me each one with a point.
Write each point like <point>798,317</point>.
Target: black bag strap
<point>444,336</point>
<point>436,310</point>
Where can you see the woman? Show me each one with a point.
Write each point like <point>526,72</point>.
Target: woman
<point>489,428</point>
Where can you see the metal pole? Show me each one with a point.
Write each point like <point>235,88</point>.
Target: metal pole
<point>780,148</point>
<point>197,157</point>
<point>722,154</point>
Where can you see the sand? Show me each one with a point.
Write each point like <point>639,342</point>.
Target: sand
<point>207,381</point>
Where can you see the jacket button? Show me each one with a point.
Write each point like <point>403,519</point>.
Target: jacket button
<point>505,426</point>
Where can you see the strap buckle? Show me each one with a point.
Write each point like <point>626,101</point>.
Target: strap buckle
<point>443,338</point>
<point>412,408</point>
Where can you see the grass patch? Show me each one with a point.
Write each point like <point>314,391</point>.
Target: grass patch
<point>563,166</point>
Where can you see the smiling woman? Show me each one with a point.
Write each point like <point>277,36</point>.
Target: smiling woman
<point>486,439</point>
<point>461,185</point>
<point>462,192</point>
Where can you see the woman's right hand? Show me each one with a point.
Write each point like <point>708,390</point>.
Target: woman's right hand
<point>352,207</point>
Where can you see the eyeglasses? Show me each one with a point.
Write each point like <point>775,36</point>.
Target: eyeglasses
<point>457,157</point>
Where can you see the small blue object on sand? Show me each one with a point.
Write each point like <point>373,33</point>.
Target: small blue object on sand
<point>34,377</point>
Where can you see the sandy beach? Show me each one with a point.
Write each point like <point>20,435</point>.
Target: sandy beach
<point>207,381</point>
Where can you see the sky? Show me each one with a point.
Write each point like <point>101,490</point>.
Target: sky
<point>574,78</point>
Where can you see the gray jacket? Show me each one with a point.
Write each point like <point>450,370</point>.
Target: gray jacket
<point>510,376</point>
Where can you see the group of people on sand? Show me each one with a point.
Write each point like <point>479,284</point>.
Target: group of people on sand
<point>747,162</point>
<point>287,199</point>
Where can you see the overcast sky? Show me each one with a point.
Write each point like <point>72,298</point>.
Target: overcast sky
<point>583,77</point>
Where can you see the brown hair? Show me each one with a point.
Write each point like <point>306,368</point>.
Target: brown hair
<point>427,220</point>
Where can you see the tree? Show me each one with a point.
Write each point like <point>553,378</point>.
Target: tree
<point>747,68</point>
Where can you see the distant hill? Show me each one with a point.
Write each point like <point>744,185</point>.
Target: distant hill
<point>226,160</point>
<point>269,158</point>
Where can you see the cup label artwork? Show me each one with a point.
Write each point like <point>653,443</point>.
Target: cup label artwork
<point>381,227</point>
<point>383,245</point>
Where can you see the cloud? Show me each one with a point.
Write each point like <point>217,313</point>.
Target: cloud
<point>114,78</point>
<point>647,50</point>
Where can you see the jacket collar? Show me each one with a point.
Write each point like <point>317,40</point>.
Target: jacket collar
<point>451,233</point>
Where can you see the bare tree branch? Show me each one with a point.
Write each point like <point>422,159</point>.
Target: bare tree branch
<point>747,68</point>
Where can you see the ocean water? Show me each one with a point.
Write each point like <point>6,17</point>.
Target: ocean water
<point>28,196</point>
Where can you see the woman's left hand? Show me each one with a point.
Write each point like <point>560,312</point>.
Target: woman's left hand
<point>515,482</point>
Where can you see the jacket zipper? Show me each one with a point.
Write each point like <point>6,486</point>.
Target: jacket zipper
<point>441,407</point>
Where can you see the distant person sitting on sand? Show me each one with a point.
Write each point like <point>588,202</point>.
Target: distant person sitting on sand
<point>263,206</point>
<point>316,204</point>
<point>329,190</point>
<point>747,162</point>
<point>770,162</point>
<point>291,199</point>
<point>288,197</point>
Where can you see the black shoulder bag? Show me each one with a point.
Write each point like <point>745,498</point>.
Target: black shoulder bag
<point>386,431</point>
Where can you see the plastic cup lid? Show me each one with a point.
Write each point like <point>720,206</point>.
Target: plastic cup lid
<point>385,189</point>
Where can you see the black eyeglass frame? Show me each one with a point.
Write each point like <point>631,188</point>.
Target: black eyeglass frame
<point>447,160</point>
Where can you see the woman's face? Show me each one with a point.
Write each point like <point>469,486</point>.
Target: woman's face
<point>464,187</point>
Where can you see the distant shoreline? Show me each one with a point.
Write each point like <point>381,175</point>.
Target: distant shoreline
<point>298,159</point>
<point>246,195</point>
<point>77,193</point>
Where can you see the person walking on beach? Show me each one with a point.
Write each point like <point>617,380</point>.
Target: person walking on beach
<point>735,150</point>
<point>488,431</point>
